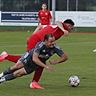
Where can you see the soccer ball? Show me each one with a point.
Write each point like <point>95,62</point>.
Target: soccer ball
<point>74,81</point>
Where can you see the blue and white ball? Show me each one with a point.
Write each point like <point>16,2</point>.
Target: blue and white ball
<point>74,81</point>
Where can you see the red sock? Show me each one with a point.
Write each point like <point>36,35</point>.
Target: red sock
<point>12,58</point>
<point>38,74</point>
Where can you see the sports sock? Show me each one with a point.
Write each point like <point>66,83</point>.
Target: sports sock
<point>12,58</point>
<point>8,71</point>
<point>9,77</point>
<point>37,74</point>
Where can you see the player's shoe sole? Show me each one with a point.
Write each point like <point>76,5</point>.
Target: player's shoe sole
<point>3,55</point>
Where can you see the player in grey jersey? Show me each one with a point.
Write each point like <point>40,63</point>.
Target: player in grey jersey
<point>31,60</point>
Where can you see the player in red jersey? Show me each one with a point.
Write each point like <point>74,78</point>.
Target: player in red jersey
<point>44,17</point>
<point>57,30</point>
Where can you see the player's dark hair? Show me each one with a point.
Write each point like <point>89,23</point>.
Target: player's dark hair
<point>69,21</point>
<point>44,4</point>
<point>47,36</point>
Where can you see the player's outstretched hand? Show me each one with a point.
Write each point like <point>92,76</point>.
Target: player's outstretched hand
<point>53,62</point>
<point>49,68</point>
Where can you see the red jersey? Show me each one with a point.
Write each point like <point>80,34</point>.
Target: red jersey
<point>39,36</point>
<point>44,17</point>
<point>50,29</point>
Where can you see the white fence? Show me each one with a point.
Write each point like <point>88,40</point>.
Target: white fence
<point>81,18</point>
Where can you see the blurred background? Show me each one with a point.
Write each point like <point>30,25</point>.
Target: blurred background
<point>19,18</point>
<point>25,12</point>
<point>35,5</point>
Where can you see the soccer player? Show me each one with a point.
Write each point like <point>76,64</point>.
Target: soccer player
<point>57,30</point>
<point>44,17</point>
<point>36,57</point>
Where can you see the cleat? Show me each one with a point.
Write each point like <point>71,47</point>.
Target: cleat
<point>1,75</point>
<point>94,50</point>
<point>2,79</point>
<point>35,85</point>
<point>3,55</point>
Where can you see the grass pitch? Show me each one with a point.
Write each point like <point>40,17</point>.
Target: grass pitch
<point>82,62</point>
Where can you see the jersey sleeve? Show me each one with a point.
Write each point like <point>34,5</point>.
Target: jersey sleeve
<point>58,51</point>
<point>38,47</point>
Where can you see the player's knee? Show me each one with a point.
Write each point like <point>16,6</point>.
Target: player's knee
<point>18,65</point>
<point>17,74</point>
<point>65,57</point>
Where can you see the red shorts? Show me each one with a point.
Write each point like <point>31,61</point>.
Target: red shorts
<point>32,41</point>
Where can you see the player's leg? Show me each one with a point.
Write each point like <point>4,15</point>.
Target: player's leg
<point>13,68</point>
<point>13,58</point>
<point>15,74</point>
<point>39,27</point>
<point>36,78</point>
<point>38,74</point>
<point>5,56</point>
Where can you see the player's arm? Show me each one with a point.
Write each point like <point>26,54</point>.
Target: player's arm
<point>39,27</point>
<point>38,62</point>
<point>61,59</point>
<point>62,56</point>
<point>59,24</point>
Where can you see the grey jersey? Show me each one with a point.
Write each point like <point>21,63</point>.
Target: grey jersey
<point>44,54</point>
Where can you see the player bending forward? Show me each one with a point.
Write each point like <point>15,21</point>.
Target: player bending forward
<point>58,30</point>
<point>36,57</point>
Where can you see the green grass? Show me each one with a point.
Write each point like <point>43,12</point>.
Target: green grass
<point>85,29</point>
<point>32,28</point>
<point>17,28</point>
<point>81,62</point>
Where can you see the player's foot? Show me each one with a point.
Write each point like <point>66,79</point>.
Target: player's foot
<point>1,74</point>
<point>3,55</point>
<point>2,79</point>
<point>35,85</point>
<point>94,50</point>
